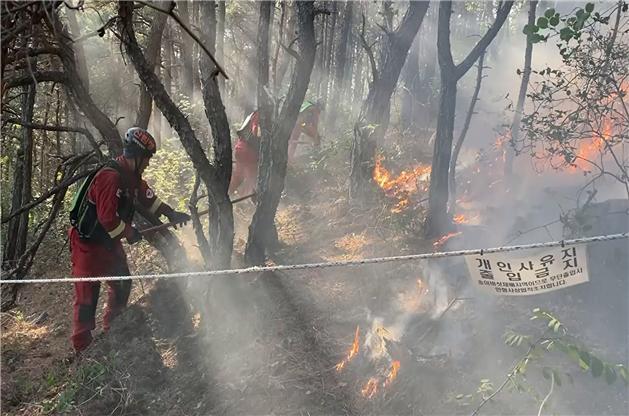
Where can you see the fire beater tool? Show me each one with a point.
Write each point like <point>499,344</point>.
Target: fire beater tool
<point>204,212</point>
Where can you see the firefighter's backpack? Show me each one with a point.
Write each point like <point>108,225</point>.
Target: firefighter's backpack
<point>83,213</point>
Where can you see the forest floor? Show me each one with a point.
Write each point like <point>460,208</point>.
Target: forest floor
<point>271,343</point>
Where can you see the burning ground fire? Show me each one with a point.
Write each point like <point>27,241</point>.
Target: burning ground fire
<point>404,185</point>
<point>378,339</point>
<point>442,240</point>
<point>353,351</point>
<point>374,384</point>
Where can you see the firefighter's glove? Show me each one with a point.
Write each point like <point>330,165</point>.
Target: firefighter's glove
<point>136,236</point>
<point>178,218</point>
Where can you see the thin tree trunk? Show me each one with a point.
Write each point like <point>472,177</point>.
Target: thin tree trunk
<point>466,126</point>
<point>438,219</point>
<point>526,76</point>
<point>271,175</point>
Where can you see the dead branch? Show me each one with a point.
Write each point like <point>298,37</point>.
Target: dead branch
<point>172,14</point>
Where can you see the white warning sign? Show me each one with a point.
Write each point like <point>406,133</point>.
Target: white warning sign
<point>539,271</point>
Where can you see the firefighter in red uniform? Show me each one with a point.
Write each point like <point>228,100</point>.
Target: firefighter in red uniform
<point>101,215</point>
<point>247,148</point>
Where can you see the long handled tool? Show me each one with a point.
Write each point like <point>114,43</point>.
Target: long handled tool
<point>172,224</point>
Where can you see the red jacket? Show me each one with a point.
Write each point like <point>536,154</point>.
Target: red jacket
<point>93,258</point>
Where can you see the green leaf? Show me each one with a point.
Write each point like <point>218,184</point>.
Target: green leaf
<point>554,21</point>
<point>542,23</point>
<point>610,374</point>
<point>549,13</point>
<point>589,7</point>
<point>566,34</point>
<point>597,367</point>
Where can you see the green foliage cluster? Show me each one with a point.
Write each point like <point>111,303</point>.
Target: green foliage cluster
<point>581,100</point>
<point>171,174</point>
<point>556,338</point>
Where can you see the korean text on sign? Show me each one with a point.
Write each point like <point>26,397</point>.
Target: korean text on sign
<point>539,271</point>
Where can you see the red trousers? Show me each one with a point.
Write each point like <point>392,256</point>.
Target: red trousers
<point>85,263</point>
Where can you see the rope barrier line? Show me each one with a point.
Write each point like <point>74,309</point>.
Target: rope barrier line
<point>343,263</point>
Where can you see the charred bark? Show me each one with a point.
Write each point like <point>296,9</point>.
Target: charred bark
<point>373,120</point>
<point>526,76</point>
<point>438,219</point>
<point>272,173</point>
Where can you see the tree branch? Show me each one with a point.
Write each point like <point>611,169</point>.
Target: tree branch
<point>483,43</point>
<point>172,14</point>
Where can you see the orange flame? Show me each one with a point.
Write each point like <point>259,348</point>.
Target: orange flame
<point>445,238</point>
<point>353,351</point>
<point>589,149</point>
<point>370,388</point>
<point>402,186</point>
<point>395,367</point>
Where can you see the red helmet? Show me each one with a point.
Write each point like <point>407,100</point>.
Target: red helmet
<point>138,142</point>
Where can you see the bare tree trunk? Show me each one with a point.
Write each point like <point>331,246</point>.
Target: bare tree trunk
<point>153,56</point>
<point>526,76</point>
<point>373,120</point>
<point>221,217</point>
<point>438,219</point>
<point>271,174</point>
<point>466,126</point>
